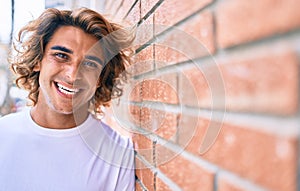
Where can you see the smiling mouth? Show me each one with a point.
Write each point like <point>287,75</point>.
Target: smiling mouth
<point>66,90</point>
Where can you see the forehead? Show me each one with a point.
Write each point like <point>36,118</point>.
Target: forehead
<point>75,39</point>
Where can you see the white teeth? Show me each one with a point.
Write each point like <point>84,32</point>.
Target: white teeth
<point>66,90</point>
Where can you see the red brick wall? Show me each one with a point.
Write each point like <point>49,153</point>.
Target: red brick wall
<point>213,104</point>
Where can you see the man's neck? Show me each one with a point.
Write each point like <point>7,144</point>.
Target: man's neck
<point>54,120</point>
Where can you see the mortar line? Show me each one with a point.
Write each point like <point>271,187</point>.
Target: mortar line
<point>154,162</point>
<point>289,36</point>
<point>214,25</point>
<point>130,9</point>
<point>140,183</point>
<point>204,111</point>
<point>149,13</point>
<point>208,59</point>
<point>169,28</point>
<point>269,124</point>
<point>159,174</point>
<point>154,46</point>
<point>213,168</point>
<point>215,181</point>
<point>154,141</point>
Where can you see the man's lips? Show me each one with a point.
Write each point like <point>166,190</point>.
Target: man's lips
<point>66,90</point>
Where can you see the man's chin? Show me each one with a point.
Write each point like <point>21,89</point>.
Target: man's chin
<point>64,111</point>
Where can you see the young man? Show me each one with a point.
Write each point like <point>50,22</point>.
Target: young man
<point>71,64</point>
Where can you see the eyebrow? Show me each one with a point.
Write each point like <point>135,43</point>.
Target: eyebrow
<point>64,49</point>
<point>61,48</point>
<point>95,59</point>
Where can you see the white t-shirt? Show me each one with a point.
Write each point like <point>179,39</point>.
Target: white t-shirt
<point>86,158</point>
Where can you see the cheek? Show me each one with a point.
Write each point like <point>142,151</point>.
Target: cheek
<point>92,90</point>
<point>92,83</point>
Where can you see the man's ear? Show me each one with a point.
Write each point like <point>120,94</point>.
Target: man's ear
<point>37,67</point>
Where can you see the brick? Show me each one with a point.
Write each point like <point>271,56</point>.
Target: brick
<point>197,29</point>
<point>162,123</point>
<point>144,147</point>
<point>196,134</point>
<point>170,12</point>
<point>259,82</point>
<point>141,142</point>
<point>134,94</point>
<point>145,31</point>
<point>239,22</point>
<point>194,89</point>
<point>192,39</point>
<point>266,159</point>
<point>185,173</point>
<point>134,115</point>
<point>200,27</point>
<point>144,58</point>
<point>145,175</point>
<point>160,89</point>
<point>138,187</point>
<point>156,89</point>
<point>146,6</point>
<point>168,127</point>
<point>160,185</point>
<point>264,82</point>
<point>188,126</point>
<point>134,15</point>
<point>143,61</point>
<point>145,55</point>
<point>153,115</point>
<point>224,185</point>
<point>229,182</point>
<point>166,55</point>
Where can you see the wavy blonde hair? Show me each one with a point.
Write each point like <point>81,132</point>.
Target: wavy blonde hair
<point>33,38</point>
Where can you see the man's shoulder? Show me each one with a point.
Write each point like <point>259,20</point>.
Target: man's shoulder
<point>125,141</point>
<point>12,117</point>
<point>12,123</point>
<point>109,145</point>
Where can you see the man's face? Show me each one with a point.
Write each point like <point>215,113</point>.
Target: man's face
<point>69,70</point>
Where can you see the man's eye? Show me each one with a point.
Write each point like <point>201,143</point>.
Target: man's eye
<point>90,64</point>
<point>61,55</point>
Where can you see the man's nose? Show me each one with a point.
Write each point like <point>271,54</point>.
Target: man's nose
<point>72,71</point>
